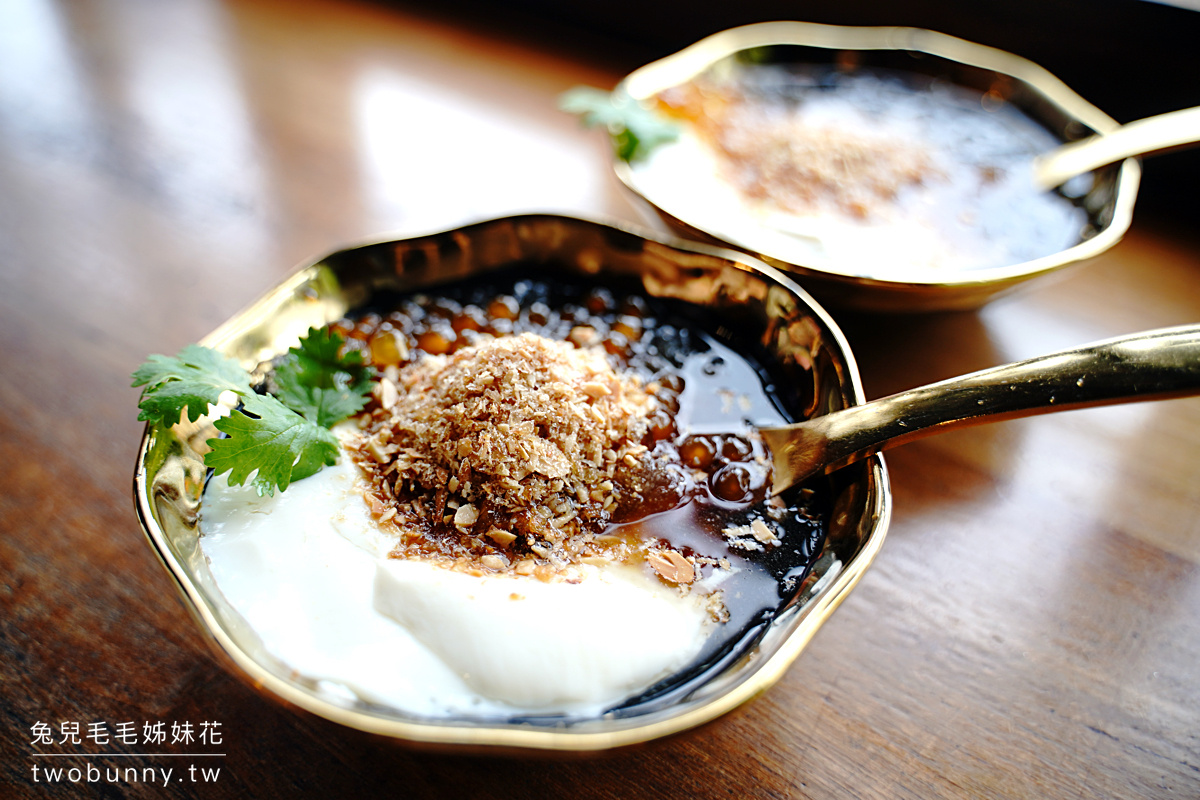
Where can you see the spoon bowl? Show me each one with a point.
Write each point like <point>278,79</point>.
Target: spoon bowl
<point>1153,365</point>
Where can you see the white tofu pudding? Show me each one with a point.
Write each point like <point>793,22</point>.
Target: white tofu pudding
<point>309,571</point>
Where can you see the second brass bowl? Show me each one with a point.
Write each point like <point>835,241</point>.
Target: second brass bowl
<point>797,336</point>
<point>1000,75</point>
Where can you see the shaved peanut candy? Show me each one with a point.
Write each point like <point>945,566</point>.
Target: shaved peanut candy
<point>672,566</point>
<point>522,432</point>
<point>761,532</point>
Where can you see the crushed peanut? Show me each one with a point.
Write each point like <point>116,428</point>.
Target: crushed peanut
<point>762,533</point>
<point>518,441</point>
<point>752,536</point>
<point>672,566</point>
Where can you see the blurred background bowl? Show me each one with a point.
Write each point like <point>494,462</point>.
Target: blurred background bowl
<point>996,74</point>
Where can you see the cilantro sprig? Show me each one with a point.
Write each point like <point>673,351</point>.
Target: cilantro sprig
<point>192,380</point>
<point>321,383</point>
<point>277,438</point>
<point>268,439</point>
<point>635,129</point>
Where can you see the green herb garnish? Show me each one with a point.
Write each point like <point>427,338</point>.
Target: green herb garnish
<point>634,128</point>
<point>191,380</point>
<point>268,438</point>
<point>319,382</point>
<point>280,438</point>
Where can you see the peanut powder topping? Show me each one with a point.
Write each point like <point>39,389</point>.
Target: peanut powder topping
<point>802,166</point>
<point>507,454</point>
<point>772,154</point>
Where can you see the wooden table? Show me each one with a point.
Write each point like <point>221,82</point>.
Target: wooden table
<point>1029,630</point>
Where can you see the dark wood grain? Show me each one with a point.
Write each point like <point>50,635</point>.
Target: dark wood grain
<point>1029,630</point>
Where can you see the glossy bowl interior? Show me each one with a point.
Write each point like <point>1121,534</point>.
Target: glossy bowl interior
<point>803,345</point>
<point>1001,76</point>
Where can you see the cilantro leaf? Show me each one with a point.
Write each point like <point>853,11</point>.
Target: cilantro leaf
<point>319,354</point>
<point>635,129</point>
<point>278,439</point>
<point>193,379</point>
<point>319,383</point>
<point>266,436</point>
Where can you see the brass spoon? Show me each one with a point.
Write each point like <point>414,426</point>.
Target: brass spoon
<point>1153,365</point>
<point>1140,138</point>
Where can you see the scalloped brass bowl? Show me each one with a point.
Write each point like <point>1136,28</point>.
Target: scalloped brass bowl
<point>800,341</point>
<point>1001,76</point>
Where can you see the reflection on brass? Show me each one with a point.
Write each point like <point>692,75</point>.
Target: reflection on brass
<point>1141,138</point>
<point>805,345</point>
<point>1154,365</point>
<point>999,74</point>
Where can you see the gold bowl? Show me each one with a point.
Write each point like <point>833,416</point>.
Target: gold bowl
<point>812,360</point>
<point>999,76</point>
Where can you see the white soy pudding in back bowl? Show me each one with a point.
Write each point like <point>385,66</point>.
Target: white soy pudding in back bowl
<point>862,173</point>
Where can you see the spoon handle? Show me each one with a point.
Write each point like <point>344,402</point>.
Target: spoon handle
<point>1143,137</point>
<point>1146,366</point>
